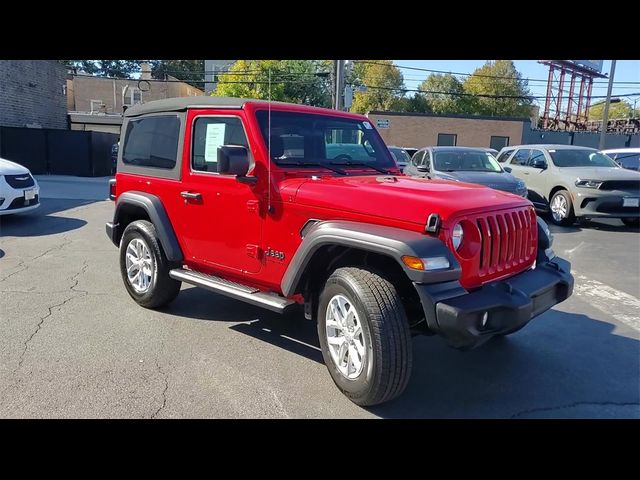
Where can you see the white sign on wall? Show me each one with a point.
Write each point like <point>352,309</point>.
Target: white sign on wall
<point>382,123</point>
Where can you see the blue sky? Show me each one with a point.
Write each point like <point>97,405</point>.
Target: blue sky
<point>626,71</point>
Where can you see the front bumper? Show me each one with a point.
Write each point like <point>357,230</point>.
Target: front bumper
<point>604,204</point>
<point>468,319</point>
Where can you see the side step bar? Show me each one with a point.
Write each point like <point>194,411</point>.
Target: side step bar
<point>231,289</point>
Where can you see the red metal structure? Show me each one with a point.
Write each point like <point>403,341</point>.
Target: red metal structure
<point>559,113</point>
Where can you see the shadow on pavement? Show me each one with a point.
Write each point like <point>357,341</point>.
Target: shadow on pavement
<point>604,224</point>
<point>41,221</point>
<point>559,366</point>
<point>1,253</point>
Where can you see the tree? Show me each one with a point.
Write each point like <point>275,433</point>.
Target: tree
<point>189,71</point>
<point>105,68</point>
<point>295,81</point>
<point>384,84</point>
<point>499,78</point>
<point>616,110</point>
<point>444,103</point>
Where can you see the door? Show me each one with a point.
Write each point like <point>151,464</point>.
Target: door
<point>538,176</point>
<point>221,222</point>
<point>412,167</point>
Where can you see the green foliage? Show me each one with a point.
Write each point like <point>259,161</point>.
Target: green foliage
<point>386,83</point>
<point>510,83</point>
<point>295,81</point>
<point>616,110</point>
<point>105,68</point>
<point>189,71</point>
<point>444,103</point>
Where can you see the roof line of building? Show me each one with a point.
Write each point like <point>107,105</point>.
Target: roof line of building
<point>452,115</point>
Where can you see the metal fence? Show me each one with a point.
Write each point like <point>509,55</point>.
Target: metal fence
<point>58,152</point>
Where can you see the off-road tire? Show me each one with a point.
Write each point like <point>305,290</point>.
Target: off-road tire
<point>388,360</point>
<point>163,289</point>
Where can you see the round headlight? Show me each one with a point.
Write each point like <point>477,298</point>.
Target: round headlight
<point>457,236</point>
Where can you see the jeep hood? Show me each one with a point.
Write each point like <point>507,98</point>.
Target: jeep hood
<point>401,198</point>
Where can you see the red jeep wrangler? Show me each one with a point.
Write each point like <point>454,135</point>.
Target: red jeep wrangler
<point>276,205</point>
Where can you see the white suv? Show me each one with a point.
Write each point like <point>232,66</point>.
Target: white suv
<point>19,191</point>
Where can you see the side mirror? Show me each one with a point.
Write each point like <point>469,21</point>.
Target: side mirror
<point>422,168</point>
<point>233,160</point>
<point>507,169</point>
<point>541,164</point>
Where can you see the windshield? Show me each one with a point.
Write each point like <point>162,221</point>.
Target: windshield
<point>401,155</point>
<point>580,158</point>
<point>298,139</point>
<point>473,161</point>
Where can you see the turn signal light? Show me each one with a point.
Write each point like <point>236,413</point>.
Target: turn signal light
<point>413,262</point>
<point>425,264</point>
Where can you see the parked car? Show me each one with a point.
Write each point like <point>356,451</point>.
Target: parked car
<point>114,157</point>
<point>625,157</point>
<point>207,195</point>
<point>400,155</point>
<point>464,164</point>
<point>19,191</point>
<point>574,182</point>
<point>504,154</point>
<point>492,151</point>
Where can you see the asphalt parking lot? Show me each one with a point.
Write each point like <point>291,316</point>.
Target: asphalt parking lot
<point>74,345</point>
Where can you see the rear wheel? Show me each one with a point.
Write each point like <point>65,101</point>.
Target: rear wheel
<point>364,336</point>
<point>144,266</point>
<point>561,209</point>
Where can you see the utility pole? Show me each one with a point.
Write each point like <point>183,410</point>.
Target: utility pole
<point>339,84</point>
<point>605,113</point>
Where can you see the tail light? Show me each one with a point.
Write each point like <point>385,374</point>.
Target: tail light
<point>112,189</point>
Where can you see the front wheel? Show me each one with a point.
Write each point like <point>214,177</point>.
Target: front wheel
<point>364,336</point>
<point>561,209</point>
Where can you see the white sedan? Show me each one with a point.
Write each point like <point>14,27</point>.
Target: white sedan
<point>19,191</point>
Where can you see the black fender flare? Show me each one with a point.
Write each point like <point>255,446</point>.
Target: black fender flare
<point>389,241</point>
<point>157,215</point>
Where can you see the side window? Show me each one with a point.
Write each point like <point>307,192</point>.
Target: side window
<point>536,156</point>
<point>152,142</point>
<point>504,155</point>
<point>417,158</point>
<point>426,161</point>
<point>521,157</point>
<point>209,133</point>
<point>498,142</point>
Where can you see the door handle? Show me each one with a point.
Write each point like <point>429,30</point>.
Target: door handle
<point>191,195</point>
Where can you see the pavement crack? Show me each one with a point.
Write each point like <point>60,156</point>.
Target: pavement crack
<point>20,264</point>
<point>166,386</point>
<point>65,242</point>
<point>573,405</point>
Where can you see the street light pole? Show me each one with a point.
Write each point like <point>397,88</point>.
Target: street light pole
<point>605,113</point>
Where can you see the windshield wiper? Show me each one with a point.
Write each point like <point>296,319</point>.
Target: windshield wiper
<point>307,164</point>
<point>361,164</point>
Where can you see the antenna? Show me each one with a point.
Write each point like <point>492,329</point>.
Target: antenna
<point>269,208</point>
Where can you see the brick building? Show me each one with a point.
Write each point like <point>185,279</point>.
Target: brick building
<point>422,129</point>
<point>33,94</point>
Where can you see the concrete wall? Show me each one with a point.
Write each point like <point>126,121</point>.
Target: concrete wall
<point>32,93</point>
<point>109,91</point>
<point>421,130</point>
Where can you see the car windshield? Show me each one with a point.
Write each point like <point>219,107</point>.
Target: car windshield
<point>467,160</point>
<point>580,158</point>
<point>402,157</point>
<point>298,139</point>
<point>629,160</point>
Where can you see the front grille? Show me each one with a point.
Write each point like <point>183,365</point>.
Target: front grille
<point>506,241</point>
<point>20,202</point>
<point>20,181</point>
<point>624,185</point>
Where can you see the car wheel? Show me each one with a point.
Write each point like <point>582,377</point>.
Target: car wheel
<point>144,266</point>
<point>561,209</point>
<point>631,222</point>
<point>364,336</point>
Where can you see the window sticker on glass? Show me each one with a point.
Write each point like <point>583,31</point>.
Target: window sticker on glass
<point>214,139</point>
<point>367,125</point>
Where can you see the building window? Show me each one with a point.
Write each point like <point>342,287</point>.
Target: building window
<point>447,139</point>
<point>498,143</point>
<point>132,97</point>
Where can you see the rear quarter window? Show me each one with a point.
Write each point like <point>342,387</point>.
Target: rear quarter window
<point>152,142</point>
